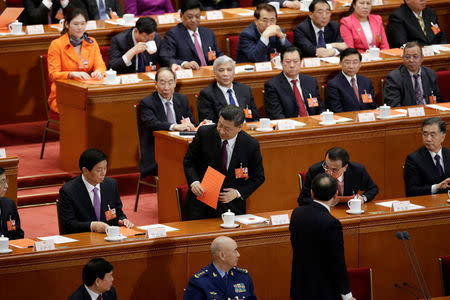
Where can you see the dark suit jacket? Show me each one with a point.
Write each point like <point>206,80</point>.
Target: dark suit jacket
<point>153,118</point>
<point>279,97</point>
<point>76,209</point>
<point>178,46</point>
<point>356,179</point>
<point>318,266</point>
<point>8,210</point>
<point>305,37</point>
<point>120,44</point>
<point>211,100</point>
<point>37,13</point>
<point>215,5</point>
<point>90,6</point>
<point>420,172</point>
<point>82,294</point>
<point>204,151</point>
<point>251,49</point>
<point>341,97</point>
<point>399,89</point>
<point>404,27</point>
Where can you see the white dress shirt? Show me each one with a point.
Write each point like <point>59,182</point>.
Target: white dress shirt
<point>49,3</point>
<point>163,101</point>
<point>316,31</point>
<point>367,32</point>
<point>92,294</point>
<point>226,95</point>
<point>128,62</point>
<point>434,188</point>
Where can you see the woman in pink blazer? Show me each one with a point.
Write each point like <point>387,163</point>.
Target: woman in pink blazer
<point>362,30</point>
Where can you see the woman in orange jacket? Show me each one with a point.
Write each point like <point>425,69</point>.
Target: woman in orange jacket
<point>74,54</point>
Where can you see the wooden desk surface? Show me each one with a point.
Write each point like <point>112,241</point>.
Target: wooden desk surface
<point>162,267</point>
<point>25,85</point>
<point>10,164</point>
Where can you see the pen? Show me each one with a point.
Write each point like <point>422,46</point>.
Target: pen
<point>142,233</point>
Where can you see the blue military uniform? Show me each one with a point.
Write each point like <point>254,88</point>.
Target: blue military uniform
<point>208,284</point>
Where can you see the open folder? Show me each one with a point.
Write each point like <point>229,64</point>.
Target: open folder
<point>9,15</point>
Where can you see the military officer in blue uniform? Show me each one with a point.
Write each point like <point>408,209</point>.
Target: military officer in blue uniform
<point>221,279</point>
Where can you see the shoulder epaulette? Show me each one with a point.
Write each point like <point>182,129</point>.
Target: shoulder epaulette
<point>201,273</point>
<point>241,270</point>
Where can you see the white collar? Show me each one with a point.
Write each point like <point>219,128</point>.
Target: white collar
<point>289,79</point>
<point>232,141</point>
<point>321,203</point>
<point>92,294</point>
<point>165,100</point>
<point>223,88</point>
<point>317,29</point>
<point>349,78</point>
<point>89,186</point>
<point>433,154</point>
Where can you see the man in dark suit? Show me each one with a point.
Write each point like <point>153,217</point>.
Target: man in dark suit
<point>225,91</point>
<point>318,266</point>
<point>413,21</point>
<point>219,4</point>
<point>97,282</point>
<point>227,149</point>
<point>352,177</point>
<point>9,217</point>
<point>411,83</point>
<point>349,91</point>
<point>162,110</point>
<point>91,201</point>
<point>100,9</point>
<point>43,11</point>
<point>188,44</point>
<point>291,94</point>
<point>427,170</point>
<point>263,39</point>
<point>318,35</point>
<point>129,51</point>
<point>295,4</point>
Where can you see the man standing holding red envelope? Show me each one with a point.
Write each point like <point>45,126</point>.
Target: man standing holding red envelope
<point>230,151</point>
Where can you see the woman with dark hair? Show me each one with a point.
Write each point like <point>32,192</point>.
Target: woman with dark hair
<point>74,54</point>
<point>362,30</point>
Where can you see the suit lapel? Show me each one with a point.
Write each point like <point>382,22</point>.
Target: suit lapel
<point>347,181</point>
<point>178,109</point>
<point>188,40</point>
<point>205,43</point>
<point>239,97</point>
<point>446,161</point>
<point>234,163</point>
<point>346,85</point>
<point>415,21</point>
<point>85,198</point>
<point>312,33</point>
<point>407,83</point>
<point>286,85</point>
<point>160,112</point>
<point>428,160</point>
<point>219,95</point>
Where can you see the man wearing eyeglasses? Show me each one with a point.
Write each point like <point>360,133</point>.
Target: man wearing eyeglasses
<point>353,178</point>
<point>9,217</point>
<point>411,83</point>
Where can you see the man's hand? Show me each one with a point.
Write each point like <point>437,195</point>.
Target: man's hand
<point>191,65</point>
<point>340,46</point>
<point>271,30</point>
<point>324,52</point>
<point>125,222</point>
<point>175,67</point>
<point>98,226</point>
<point>444,184</point>
<point>184,127</point>
<point>197,189</point>
<point>228,195</point>
<point>292,4</point>
<point>139,48</point>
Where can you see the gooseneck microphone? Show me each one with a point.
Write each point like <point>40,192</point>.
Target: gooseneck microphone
<point>406,290</point>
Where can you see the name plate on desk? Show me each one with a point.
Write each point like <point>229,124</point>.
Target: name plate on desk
<point>279,219</point>
<point>214,15</point>
<point>263,66</point>
<point>91,25</point>
<point>285,125</point>
<point>311,62</point>
<point>401,205</point>
<point>428,51</point>
<point>366,117</point>
<point>166,19</point>
<point>44,245</point>
<point>416,112</point>
<point>35,29</point>
<point>184,73</point>
<point>156,232</point>
<point>130,78</point>
<point>2,152</point>
<point>377,2</point>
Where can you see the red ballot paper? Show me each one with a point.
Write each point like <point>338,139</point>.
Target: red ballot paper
<point>128,231</point>
<point>211,183</point>
<point>91,81</point>
<point>9,15</point>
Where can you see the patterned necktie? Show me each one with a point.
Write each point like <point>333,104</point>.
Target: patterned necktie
<point>422,25</point>
<point>417,91</point>
<point>100,297</point>
<point>96,203</point>
<point>199,50</point>
<point>170,116</point>
<point>321,42</point>
<point>340,188</point>
<point>438,165</point>
<point>102,10</point>
<point>230,94</point>
<point>298,96</point>
<point>355,88</point>
<point>224,156</point>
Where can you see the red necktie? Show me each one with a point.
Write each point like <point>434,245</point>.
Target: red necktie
<point>355,88</point>
<point>199,50</point>
<point>298,96</point>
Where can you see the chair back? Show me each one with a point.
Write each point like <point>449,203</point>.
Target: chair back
<point>245,3</point>
<point>383,84</point>
<point>105,55</point>
<point>361,283</point>
<point>14,3</point>
<point>232,43</point>
<point>46,86</point>
<point>323,94</point>
<point>58,213</point>
<point>301,179</point>
<point>181,192</point>
<point>137,115</point>
<point>444,87</point>
<point>290,36</point>
<point>444,264</point>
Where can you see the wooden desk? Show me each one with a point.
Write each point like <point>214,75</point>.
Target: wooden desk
<point>19,55</point>
<point>162,267</point>
<point>10,164</point>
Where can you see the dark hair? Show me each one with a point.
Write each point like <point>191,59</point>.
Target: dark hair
<point>289,50</point>
<point>2,171</point>
<point>233,113</point>
<point>95,268</point>
<point>146,24</point>
<point>337,153</point>
<point>165,69</point>
<point>352,7</point>
<point>266,7</point>
<point>350,51</point>
<point>412,44</point>
<point>72,14</point>
<point>90,157</point>
<point>324,187</point>
<point>435,120</point>
<point>312,6</point>
<point>191,4</point>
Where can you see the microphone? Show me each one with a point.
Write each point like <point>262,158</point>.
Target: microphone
<point>399,235</point>
<point>414,289</point>
<point>406,290</point>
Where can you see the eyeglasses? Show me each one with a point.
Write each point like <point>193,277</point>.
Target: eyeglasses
<point>411,57</point>
<point>332,171</point>
<point>3,181</point>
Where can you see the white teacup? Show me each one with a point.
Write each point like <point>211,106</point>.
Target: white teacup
<point>3,243</point>
<point>355,205</point>
<point>128,19</point>
<point>228,218</point>
<point>374,52</point>
<point>385,111</point>
<point>327,116</point>
<point>113,231</point>
<point>15,27</point>
<point>61,22</point>
<point>151,47</point>
<point>264,123</point>
<point>110,76</point>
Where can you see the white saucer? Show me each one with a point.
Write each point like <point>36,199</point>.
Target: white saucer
<point>115,239</point>
<point>117,81</point>
<point>20,33</point>
<point>264,129</point>
<point>327,123</point>
<point>6,251</point>
<point>355,212</point>
<point>235,225</point>
<point>448,200</point>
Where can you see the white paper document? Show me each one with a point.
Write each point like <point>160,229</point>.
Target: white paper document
<point>244,69</point>
<point>168,228</point>
<point>438,107</point>
<point>58,239</point>
<point>331,60</point>
<point>250,219</point>
<point>389,205</point>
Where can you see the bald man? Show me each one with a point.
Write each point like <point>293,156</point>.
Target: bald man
<point>221,279</point>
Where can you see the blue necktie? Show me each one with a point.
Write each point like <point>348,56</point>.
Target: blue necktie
<point>230,93</point>
<point>102,10</point>
<point>321,43</point>
<point>141,64</point>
